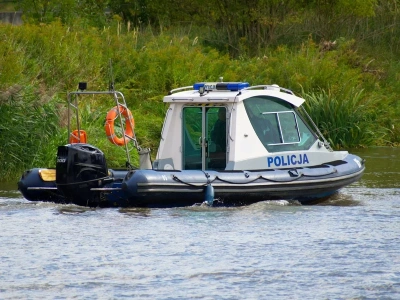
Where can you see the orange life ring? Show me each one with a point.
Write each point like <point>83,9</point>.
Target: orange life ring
<point>129,125</point>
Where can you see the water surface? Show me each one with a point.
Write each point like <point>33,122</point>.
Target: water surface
<point>345,248</point>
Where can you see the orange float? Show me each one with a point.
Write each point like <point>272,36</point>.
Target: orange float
<point>129,125</point>
<point>78,136</point>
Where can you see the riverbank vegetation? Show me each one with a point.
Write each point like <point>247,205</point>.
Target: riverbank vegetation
<point>341,59</point>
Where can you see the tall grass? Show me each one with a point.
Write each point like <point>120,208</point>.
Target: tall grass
<point>347,118</point>
<point>39,64</point>
<point>29,130</point>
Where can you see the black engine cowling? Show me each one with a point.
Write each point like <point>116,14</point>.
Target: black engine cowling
<point>79,168</point>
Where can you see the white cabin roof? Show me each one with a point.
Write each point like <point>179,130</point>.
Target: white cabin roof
<point>229,96</point>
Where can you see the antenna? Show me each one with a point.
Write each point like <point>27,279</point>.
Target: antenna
<point>111,85</point>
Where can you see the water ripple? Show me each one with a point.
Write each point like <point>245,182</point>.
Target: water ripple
<point>345,248</point>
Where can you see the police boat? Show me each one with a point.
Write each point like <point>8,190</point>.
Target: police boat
<point>222,143</point>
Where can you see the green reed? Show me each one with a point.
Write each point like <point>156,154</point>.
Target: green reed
<point>29,129</point>
<point>347,118</point>
<point>346,92</point>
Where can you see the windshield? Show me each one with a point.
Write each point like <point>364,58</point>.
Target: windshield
<point>278,125</point>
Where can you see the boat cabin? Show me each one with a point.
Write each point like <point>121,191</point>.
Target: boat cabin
<point>235,126</point>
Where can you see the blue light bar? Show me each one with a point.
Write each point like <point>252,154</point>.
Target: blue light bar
<point>221,86</point>
<point>198,85</point>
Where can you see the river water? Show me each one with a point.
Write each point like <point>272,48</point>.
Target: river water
<point>346,248</point>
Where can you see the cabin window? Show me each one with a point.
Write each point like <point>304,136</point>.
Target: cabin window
<point>204,137</point>
<point>192,135</point>
<point>278,125</point>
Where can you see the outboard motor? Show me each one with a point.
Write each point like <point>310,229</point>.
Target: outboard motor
<point>79,168</point>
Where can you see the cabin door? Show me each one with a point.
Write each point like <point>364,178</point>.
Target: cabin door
<point>204,138</point>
